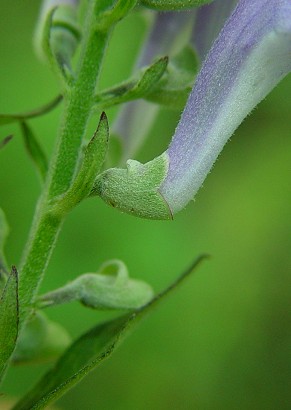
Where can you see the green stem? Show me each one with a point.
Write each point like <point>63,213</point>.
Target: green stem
<point>78,103</point>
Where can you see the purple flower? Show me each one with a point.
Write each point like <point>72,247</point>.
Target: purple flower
<point>250,56</point>
<point>209,21</point>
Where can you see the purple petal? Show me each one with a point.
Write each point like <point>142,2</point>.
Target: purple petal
<point>209,21</point>
<point>250,56</point>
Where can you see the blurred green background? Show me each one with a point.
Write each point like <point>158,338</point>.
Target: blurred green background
<point>223,340</point>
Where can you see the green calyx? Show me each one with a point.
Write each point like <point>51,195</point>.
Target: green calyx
<point>174,4</point>
<point>135,190</point>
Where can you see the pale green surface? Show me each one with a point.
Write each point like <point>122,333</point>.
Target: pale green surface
<point>223,340</point>
<point>108,288</point>
<point>135,190</point>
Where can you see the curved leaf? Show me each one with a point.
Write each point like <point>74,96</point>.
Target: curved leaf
<point>174,87</point>
<point>89,351</point>
<point>10,118</point>
<point>135,88</point>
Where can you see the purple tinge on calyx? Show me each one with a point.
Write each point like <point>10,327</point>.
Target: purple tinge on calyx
<point>208,23</point>
<point>250,56</point>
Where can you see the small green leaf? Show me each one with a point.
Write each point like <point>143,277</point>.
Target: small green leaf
<point>135,190</point>
<point>8,320</point>
<point>174,4</point>
<point>174,87</point>
<point>86,353</point>
<point>135,88</point>
<point>110,288</point>
<point>41,340</point>
<point>34,150</point>
<point>94,157</point>
<point>10,118</point>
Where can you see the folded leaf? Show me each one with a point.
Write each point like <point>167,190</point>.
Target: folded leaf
<point>174,87</point>
<point>8,320</point>
<point>93,159</point>
<point>88,352</point>
<point>135,88</point>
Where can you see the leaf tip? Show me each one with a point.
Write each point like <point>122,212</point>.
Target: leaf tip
<point>103,122</point>
<point>6,140</point>
<point>14,271</point>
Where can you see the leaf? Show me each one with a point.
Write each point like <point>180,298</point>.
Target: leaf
<point>4,231</point>
<point>173,4</point>
<point>94,157</point>
<point>86,353</point>
<point>174,87</point>
<point>8,320</point>
<point>10,118</point>
<point>133,89</point>
<point>34,150</point>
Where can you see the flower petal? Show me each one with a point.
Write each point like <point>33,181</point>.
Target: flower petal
<point>250,56</point>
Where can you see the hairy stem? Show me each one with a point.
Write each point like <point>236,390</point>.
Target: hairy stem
<point>78,101</point>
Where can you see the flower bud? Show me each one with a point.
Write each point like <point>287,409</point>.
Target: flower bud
<point>64,32</point>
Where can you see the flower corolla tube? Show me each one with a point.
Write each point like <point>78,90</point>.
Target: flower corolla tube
<point>250,56</point>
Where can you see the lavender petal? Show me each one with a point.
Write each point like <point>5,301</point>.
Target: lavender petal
<point>250,56</point>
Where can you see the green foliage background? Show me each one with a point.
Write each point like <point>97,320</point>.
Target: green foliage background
<point>223,340</point>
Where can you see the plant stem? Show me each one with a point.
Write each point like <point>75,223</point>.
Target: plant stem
<point>77,108</point>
